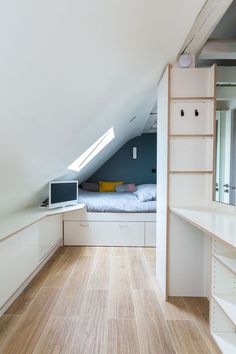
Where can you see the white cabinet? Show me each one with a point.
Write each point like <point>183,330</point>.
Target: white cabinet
<point>104,233</point>
<point>191,154</point>
<point>150,234</point>
<point>50,233</point>
<point>18,259</point>
<point>191,117</point>
<point>193,82</point>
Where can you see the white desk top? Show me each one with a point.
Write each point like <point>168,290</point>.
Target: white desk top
<point>216,223</point>
<point>19,221</point>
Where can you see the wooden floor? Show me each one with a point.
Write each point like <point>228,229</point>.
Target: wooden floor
<point>103,300</point>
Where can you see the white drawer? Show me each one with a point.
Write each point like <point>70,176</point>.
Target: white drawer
<point>191,154</point>
<point>104,233</point>
<point>189,123</point>
<point>150,234</point>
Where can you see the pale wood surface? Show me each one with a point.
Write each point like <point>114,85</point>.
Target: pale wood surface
<point>104,300</point>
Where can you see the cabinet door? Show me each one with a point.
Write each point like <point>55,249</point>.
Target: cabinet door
<point>50,233</point>
<point>194,82</point>
<point>18,259</point>
<point>104,233</point>
<point>191,154</point>
<point>184,119</point>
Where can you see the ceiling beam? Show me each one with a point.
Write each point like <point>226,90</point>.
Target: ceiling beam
<point>226,75</point>
<point>205,23</point>
<point>219,49</point>
<point>225,93</point>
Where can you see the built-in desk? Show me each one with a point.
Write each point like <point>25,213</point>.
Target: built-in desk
<point>220,229</point>
<point>217,224</point>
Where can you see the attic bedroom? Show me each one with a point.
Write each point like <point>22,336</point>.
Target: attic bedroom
<point>117,184</point>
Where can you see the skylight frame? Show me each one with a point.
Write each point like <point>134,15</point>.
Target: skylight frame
<point>92,151</point>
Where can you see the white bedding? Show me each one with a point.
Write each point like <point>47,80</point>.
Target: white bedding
<point>115,202</point>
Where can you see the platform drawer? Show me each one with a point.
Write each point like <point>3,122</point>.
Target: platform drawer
<point>104,233</point>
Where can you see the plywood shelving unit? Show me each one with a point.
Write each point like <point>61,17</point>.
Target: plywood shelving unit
<point>190,260</point>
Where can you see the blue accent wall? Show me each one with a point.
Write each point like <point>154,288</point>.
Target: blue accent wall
<point>121,166</point>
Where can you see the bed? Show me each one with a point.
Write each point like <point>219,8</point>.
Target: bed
<point>115,202</point>
<point>113,219</point>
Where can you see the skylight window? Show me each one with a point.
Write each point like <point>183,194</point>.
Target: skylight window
<point>92,151</point>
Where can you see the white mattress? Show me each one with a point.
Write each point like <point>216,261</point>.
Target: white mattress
<point>115,202</point>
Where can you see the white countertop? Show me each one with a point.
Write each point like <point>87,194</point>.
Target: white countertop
<point>216,223</point>
<point>19,221</point>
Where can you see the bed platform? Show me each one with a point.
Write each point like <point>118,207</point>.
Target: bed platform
<point>83,228</point>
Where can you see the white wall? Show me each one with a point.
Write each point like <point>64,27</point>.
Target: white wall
<point>71,69</point>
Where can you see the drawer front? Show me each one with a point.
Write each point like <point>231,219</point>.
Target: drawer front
<point>188,123</point>
<point>150,234</point>
<point>104,233</point>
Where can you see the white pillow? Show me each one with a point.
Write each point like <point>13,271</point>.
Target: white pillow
<point>146,192</point>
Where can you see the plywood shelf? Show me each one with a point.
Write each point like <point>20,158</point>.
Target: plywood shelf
<point>192,98</point>
<point>227,259</point>
<point>202,172</point>
<point>228,304</point>
<point>191,135</point>
<point>225,341</point>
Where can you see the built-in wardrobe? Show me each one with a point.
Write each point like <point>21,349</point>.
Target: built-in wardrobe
<point>196,237</point>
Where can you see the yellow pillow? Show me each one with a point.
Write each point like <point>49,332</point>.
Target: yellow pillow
<point>108,186</point>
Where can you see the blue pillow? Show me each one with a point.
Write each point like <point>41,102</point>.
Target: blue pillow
<point>146,192</point>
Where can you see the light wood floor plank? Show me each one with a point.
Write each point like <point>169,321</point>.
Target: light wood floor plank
<point>187,338</point>
<point>120,304</point>
<point>95,305</point>
<point>70,300</point>
<point>104,251</point>
<point>58,336</point>
<point>120,273</point>
<point>24,339</point>
<point>133,251</point>
<point>8,325</point>
<point>139,276</point>
<point>88,251</point>
<point>119,251</point>
<point>122,337</point>
<point>199,309</point>
<point>100,275</point>
<point>154,336</point>
<point>90,337</point>
<point>61,272</point>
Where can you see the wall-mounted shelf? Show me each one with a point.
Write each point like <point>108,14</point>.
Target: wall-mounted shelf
<point>228,304</point>
<point>227,259</point>
<point>226,342</point>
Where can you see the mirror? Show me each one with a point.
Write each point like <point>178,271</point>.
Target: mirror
<point>225,166</point>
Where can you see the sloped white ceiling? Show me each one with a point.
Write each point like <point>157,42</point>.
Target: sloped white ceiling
<point>71,69</point>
